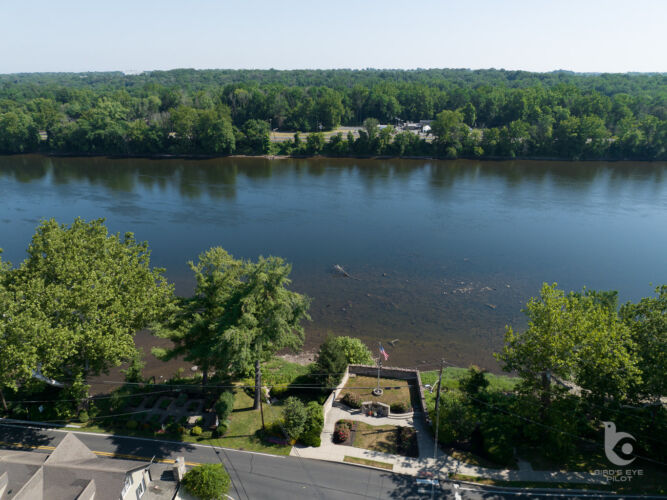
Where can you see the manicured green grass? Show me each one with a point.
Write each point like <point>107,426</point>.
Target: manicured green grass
<point>395,391</point>
<point>279,372</point>
<point>364,461</point>
<point>452,375</point>
<point>244,425</point>
<point>242,432</point>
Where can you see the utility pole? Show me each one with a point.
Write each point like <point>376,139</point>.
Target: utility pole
<point>437,424</point>
<point>437,411</point>
<point>261,406</point>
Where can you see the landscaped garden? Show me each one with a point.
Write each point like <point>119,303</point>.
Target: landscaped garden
<point>400,395</point>
<point>391,439</point>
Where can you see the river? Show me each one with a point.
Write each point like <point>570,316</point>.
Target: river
<point>445,253</point>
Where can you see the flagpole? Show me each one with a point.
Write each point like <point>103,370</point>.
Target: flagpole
<point>377,391</point>
<point>379,364</point>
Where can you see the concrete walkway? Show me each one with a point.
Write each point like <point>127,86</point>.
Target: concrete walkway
<point>443,465</point>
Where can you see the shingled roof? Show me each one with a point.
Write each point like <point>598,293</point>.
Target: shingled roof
<point>70,472</point>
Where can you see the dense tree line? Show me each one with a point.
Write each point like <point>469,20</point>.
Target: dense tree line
<point>486,113</point>
<point>582,361</point>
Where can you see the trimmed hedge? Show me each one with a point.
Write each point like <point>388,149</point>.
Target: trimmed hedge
<point>400,407</point>
<point>314,425</point>
<point>224,405</point>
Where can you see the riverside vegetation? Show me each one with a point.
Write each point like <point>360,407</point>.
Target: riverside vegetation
<point>483,113</point>
<point>72,308</point>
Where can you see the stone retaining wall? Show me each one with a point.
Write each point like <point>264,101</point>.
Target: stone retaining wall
<point>390,372</point>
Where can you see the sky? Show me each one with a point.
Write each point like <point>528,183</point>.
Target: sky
<point>139,35</point>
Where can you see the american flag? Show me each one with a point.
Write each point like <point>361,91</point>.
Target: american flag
<point>384,353</point>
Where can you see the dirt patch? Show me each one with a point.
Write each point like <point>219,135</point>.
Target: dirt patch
<point>302,358</point>
<point>395,440</point>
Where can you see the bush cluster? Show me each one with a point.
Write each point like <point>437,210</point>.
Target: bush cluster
<point>352,400</point>
<point>207,481</point>
<point>342,431</point>
<point>400,407</point>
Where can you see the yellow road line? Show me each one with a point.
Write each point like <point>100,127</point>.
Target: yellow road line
<point>99,453</point>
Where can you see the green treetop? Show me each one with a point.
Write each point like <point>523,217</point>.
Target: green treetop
<point>84,294</point>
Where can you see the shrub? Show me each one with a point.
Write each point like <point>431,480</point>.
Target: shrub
<point>473,382</point>
<point>164,404</point>
<point>196,431</point>
<point>314,425</point>
<point>83,416</point>
<point>224,405</point>
<point>222,428</point>
<point>341,433</point>
<point>278,391</point>
<point>294,417</point>
<point>133,373</point>
<point>331,363</point>
<point>352,400</point>
<point>354,350</point>
<point>457,419</point>
<point>131,424</point>
<point>207,481</point>
<point>400,407</point>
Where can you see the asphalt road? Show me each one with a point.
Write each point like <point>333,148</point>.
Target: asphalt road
<point>260,476</point>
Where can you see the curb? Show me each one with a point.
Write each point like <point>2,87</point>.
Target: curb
<point>562,491</point>
<point>534,490</point>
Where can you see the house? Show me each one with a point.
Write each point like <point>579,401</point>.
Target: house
<point>73,472</point>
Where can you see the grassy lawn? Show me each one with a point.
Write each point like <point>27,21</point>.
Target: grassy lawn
<point>395,391</point>
<point>364,461</point>
<point>244,424</point>
<point>384,438</point>
<point>451,377</point>
<point>241,433</point>
<point>472,459</point>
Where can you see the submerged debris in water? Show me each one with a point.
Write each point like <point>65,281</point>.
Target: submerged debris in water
<point>340,270</point>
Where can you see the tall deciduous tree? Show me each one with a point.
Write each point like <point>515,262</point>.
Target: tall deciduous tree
<point>204,328</point>
<point>87,292</point>
<point>241,314</point>
<point>271,314</point>
<point>577,338</point>
<point>647,321</point>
